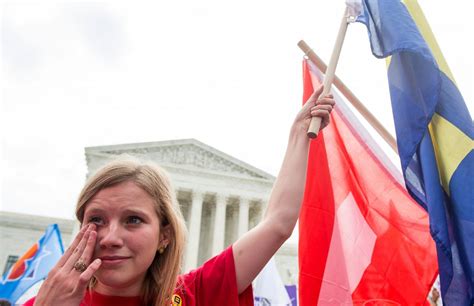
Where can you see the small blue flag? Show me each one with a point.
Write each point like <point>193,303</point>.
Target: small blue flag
<point>33,266</point>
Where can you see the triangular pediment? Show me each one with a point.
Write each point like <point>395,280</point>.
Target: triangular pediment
<point>186,154</point>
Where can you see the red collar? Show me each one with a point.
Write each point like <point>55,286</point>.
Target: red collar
<point>96,299</point>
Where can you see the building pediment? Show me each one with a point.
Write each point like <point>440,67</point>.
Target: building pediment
<point>187,153</point>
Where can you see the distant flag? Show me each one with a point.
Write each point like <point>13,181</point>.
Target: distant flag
<point>362,239</point>
<point>293,294</point>
<point>33,266</point>
<point>269,289</point>
<point>434,134</point>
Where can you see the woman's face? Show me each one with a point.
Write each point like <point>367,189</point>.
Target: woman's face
<point>128,237</point>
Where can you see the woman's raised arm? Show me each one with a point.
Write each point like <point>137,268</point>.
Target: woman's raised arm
<point>253,250</point>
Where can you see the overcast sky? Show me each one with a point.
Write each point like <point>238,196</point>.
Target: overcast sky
<point>226,73</point>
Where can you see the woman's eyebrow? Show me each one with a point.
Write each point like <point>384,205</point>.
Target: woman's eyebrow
<point>138,211</point>
<point>135,211</point>
<point>93,210</point>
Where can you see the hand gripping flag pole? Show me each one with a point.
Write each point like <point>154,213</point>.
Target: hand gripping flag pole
<point>315,124</point>
<point>351,97</point>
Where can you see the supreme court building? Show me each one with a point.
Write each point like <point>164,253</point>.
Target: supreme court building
<point>220,197</point>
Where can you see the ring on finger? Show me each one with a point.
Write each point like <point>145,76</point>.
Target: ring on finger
<point>80,266</point>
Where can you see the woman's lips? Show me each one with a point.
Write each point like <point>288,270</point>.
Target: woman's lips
<point>110,261</point>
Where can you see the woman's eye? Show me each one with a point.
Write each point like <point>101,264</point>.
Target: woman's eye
<point>96,220</point>
<point>134,220</point>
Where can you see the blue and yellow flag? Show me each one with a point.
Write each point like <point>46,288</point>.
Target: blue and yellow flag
<point>434,135</point>
<point>33,266</point>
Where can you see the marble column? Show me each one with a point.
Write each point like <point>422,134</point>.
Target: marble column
<point>243,216</point>
<point>263,209</point>
<point>219,224</point>
<point>194,231</point>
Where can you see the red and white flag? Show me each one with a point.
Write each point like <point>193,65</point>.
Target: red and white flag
<point>363,239</point>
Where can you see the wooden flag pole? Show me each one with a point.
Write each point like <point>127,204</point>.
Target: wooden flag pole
<point>315,124</point>
<point>350,97</point>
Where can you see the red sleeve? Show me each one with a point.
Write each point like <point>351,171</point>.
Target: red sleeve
<point>214,283</point>
<point>30,302</point>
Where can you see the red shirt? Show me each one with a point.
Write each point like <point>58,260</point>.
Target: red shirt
<point>214,283</point>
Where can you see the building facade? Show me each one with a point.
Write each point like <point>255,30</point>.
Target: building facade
<point>220,197</point>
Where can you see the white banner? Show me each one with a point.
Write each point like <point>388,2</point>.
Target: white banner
<point>269,289</point>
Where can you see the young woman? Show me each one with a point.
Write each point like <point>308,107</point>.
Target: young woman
<point>132,237</point>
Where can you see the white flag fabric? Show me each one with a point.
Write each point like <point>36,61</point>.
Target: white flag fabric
<point>269,289</point>
<point>354,7</point>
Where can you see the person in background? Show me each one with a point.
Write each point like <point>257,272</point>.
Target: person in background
<point>4,302</point>
<point>434,298</point>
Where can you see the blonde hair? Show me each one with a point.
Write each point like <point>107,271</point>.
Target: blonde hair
<point>160,280</point>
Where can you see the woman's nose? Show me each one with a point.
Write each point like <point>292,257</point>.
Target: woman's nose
<point>109,236</point>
